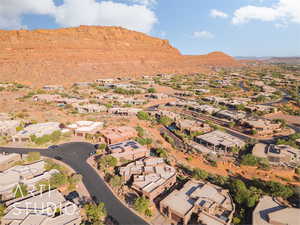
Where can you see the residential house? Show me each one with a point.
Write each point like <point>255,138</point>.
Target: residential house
<point>90,108</point>
<point>150,176</point>
<point>8,160</point>
<point>46,98</point>
<point>82,84</point>
<point>177,103</point>
<point>260,126</point>
<point>261,108</point>
<point>132,101</point>
<point>85,128</point>
<point>202,91</point>
<point>184,93</point>
<point>165,76</point>
<point>113,135</point>
<point>220,141</point>
<point>171,115</point>
<point>37,130</point>
<point>29,175</point>
<point>53,87</point>
<point>202,83</point>
<point>9,127</point>
<point>156,95</point>
<point>269,89</point>
<point>269,211</point>
<point>278,155</point>
<point>124,111</point>
<point>5,116</point>
<point>109,96</point>
<point>128,150</point>
<point>105,81</point>
<point>122,85</point>
<point>205,109</point>
<point>41,209</point>
<point>212,204</point>
<point>214,99</point>
<point>192,126</point>
<point>231,115</point>
<point>57,99</point>
<point>6,85</point>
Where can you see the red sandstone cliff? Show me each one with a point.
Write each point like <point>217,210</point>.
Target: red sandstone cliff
<point>68,55</point>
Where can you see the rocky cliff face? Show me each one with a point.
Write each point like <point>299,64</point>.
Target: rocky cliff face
<point>68,55</point>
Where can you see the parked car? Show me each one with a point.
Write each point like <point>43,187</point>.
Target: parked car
<point>53,147</point>
<point>58,158</point>
<point>93,153</point>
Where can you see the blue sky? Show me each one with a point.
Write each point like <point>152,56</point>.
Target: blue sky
<point>237,27</point>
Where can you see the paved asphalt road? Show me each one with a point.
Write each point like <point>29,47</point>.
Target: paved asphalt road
<point>75,155</point>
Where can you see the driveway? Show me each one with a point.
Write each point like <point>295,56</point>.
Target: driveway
<point>75,155</point>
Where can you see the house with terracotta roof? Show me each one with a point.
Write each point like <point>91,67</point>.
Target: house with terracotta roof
<point>128,150</point>
<point>113,135</point>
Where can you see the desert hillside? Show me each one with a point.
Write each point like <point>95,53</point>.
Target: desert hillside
<point>64,56</point>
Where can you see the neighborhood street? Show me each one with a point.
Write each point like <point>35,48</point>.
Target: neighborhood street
<point>75,155</point>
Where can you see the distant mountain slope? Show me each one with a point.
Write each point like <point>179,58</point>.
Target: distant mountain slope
<point>64,56</point>
<point>287,60</point>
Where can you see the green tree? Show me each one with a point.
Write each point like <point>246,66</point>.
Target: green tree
<point>141,204</point>
<point>144,141</point>
<point>140,130</point>
<point>73,180</point>
<point>199,174</point>
<point>58,180</point>
<point>243,195</point>
<point>282,122</point>
<point>95,213</point>
<point>115,181</point>
<point>19,128</point>
<point>148,213</point>
<point>107,162</point>
<point>151,90</point>
<point>231,124</point>
<point>55,136</point>
<point>164,120</point>
<point>102,146</point>
<point>240,107</point>
<point>143,115</point>
<point>2,210</point>
<point>162,153</point>
<point>278,190</point>
<point>33,156</point>
<point>250,160</point>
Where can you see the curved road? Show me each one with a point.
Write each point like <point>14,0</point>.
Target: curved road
<point>75,155</point>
